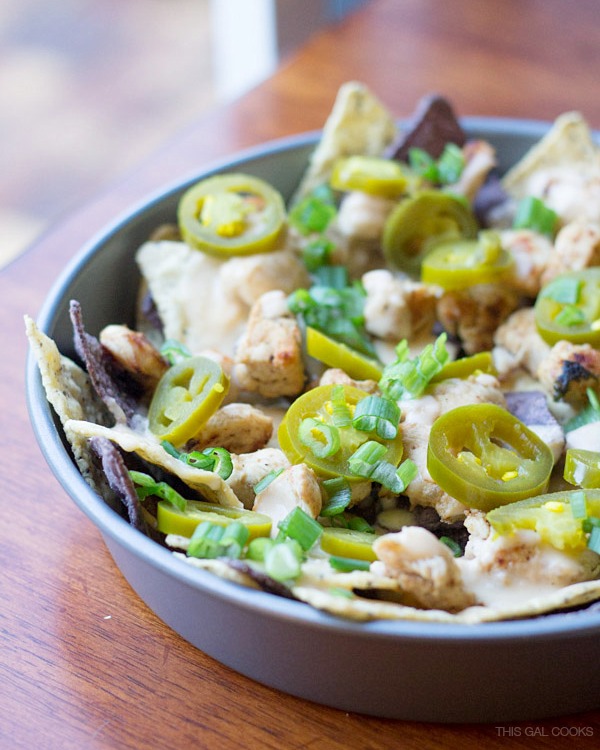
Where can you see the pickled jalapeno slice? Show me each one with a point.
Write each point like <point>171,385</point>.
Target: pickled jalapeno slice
<point>370,174</point>
<point>316,412</point>
<point>484,457</point>
<point>582,468</point>
<point>568,308</point>
<point>459,263</point>
<point>186,396</point>
<point>232,214</point>
<point>555,516</point>
<point>183,521</point>
<point>423,218</point>
<point>337,354</point>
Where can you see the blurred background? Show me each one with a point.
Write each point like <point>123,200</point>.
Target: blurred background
<point>88,88</point>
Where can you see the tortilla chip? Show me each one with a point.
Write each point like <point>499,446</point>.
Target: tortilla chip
<point>361,609</point>
<point>318,573</point>
<point>568,143</point>
<point>188,291</point>
<point>241,571</point>
<point>207,483</point>
<point>354,595</point>
<point>112,383</point>
<point>119,480</point>
<point>70,392</point>
<point>358,125</point>
<point>435,125</point>
<point>220,568</point>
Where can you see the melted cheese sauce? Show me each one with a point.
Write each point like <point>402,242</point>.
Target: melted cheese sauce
<point>192,304</point>
<point>493,592</point>
<point>506,571</point>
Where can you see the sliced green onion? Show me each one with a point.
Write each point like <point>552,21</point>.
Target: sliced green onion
<point>428,363</point>
<point>452,545</point>
<point>340,521</point>
<point>174,351</point>
<point>406,472</point>
<point>594,540</point>
<point>348,564</point>
<point>334,308</point>
<point>394,479</point>
<point>171,449</point>
<point>589,524</point>
<point>570,315</point>
<point>578,504</point>
<point>347,332</point>
<point>313,213</point>
<point>325,194</point>
<point>445,171</point>
<point>283,561</point>
<point>385,474</point>
<point>340,414</point>
<point>217,460</point>
<point>589,414</point>
<point>211,540</point>
<point>199,460</point>
<point>532,213</point>
<point>143,480</point>
<point>377,414</point>
<point>357,523</point>
<point>317,253</point>
<point>300,301</point>
<point>146,486</point>
<point>234,539</point>
<point>223,465</point>
<point>450,165</point>
<point>341,592</point>
<point>298,525</point>
<point>362,462</point>
<point>334,277</point>
<point>423,164</point>
<point>338,494</point>
<point>410,377</point>
<point>321,439</point>
<point>205,541</point>
<point>258,548</point>
<point>563,289</point>
<point>266,480</point>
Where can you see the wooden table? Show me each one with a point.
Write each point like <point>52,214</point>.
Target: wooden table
<point>84,664</point>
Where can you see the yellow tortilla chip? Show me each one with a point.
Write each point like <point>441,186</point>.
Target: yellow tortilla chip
<point>149,448</point>
<point>358,124</point>
<point>345,595</point>
<point>568,143</point>
<point>219,568</point>
<point>361,609</point>
<point>318,573</point>
<point>69,391</point>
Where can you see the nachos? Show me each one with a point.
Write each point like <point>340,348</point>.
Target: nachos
<point>381,398</point>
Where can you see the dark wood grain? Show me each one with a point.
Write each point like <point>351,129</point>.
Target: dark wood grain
<point>84,664</point>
